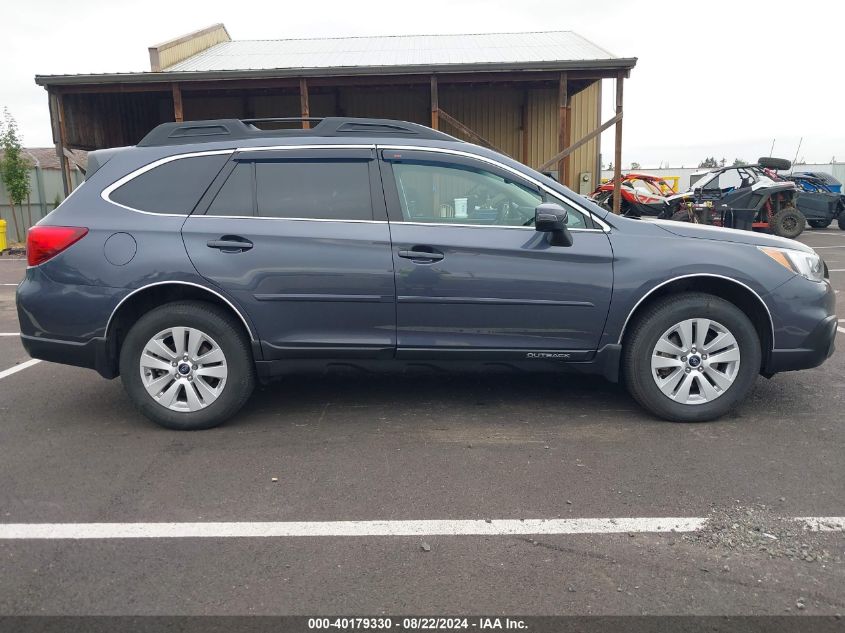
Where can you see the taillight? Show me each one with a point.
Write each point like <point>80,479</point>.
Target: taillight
<point>45,242</point>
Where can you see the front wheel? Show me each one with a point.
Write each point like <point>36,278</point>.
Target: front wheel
<point>691,357</point>
<point>841,220</point>
<point>187,366</point>
<point>787,223</point>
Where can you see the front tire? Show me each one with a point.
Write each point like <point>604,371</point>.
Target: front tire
<point>787,223</point>
<point>187,366</point>
<point>691,357</point>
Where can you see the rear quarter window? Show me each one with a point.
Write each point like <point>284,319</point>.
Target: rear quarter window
<point>172,187</point>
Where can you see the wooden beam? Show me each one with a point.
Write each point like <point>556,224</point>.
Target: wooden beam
<point>178,114</point>
<point>435,104</point>
<point>303,103</point>
<point>523,129</point>
<point>617,154</point>
<point>61,145</point>
<point>475,136</point>
<point>563,127</point>
<point>579,143</point>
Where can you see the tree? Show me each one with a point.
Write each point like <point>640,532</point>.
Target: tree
<point>710,162</point>
<point>14,167</point>
<point>610,166</point>
<point>722,162</point>
<point>635,165</point>
<point>738,162</point>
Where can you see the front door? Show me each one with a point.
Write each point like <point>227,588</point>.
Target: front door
<point>473,277</point>
<point>297,238</point>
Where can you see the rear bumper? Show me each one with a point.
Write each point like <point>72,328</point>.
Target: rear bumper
<point>91,354</point>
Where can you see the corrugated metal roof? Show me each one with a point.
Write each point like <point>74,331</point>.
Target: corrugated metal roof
<point>404,51</point>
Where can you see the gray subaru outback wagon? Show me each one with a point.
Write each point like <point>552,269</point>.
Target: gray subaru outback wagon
<point>215,254</point>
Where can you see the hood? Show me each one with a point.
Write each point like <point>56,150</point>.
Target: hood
<point>705,232</point>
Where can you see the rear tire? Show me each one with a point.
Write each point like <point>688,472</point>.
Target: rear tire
<point>787,223</point>
<point>170,382</point>
<point>819,224</point>
<point>841,220</point>
<point>703,401</point>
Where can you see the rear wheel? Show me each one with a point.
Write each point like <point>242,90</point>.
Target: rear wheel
<point>819,224</point>
<point>187,366</point>
<point>691,357</point>
<point>841,220</point>
<point>787,223</point>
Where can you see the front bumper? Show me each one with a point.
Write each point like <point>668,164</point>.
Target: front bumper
<point>805,325</point>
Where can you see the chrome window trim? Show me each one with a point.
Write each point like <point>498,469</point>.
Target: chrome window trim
<point>182,283</point>
<point>454,152</point>
<point>260,217</point>
<point>105,194</point>
<point>712,275</point>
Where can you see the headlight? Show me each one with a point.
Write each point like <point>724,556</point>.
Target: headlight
<point>808,265</point>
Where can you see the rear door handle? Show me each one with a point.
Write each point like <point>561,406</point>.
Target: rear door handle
<point>230,244</point>
<point>422,255</point>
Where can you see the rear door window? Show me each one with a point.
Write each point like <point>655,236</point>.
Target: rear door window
<point>237,195</point>
<point>172,187</point>
<point>314,189</point>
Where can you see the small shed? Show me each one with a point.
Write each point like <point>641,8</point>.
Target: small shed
<point>533,96</point>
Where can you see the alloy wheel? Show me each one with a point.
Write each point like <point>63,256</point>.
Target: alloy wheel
<point>183,369</point>
<point>695,361</point>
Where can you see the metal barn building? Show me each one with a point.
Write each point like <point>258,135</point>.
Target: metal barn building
<point>533,96</point>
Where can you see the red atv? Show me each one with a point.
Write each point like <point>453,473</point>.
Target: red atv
<point>642,194</point>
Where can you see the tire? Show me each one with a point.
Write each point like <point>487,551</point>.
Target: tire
<point>652,326</point>
<point>681,216</point>
<point>787,223</point>
<point>841,220</point>
<point>219,387</point>
<point>819,224</point>
<point>774,163</point>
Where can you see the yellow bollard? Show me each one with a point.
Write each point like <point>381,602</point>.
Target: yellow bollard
<point>3,244</point>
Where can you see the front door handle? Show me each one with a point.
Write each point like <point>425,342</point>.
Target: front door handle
<point>417,253</point>
<point>230,244</point>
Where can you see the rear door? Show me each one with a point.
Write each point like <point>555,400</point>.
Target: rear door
<point>473,277</point>
<point>297,237</point>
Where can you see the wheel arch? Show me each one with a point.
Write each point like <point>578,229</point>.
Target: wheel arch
<point>145,298</point>
<point>727,288</point>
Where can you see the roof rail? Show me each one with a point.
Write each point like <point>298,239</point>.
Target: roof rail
<point>241,129</point>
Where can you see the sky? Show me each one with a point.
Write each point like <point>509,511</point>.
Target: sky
<point>713,78</point>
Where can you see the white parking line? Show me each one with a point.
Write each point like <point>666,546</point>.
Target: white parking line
<point>10,333</point>
<point>824,524</point>
<point>498,527</point>
<point>13,370</point>
<point>348,528</point>
<point>9,284</point>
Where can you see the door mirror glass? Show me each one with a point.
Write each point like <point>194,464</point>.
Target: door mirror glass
<point>551,218</point>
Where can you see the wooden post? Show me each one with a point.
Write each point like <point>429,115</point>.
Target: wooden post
<point>617,154</point>
<point>303,103</point>
<point>523,129</point>
<point>178,114</point>
<point>435,105</point>
<point>62,145</point>
<point>563,126</point>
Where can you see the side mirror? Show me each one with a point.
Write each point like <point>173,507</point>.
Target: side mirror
<point>551,218</point>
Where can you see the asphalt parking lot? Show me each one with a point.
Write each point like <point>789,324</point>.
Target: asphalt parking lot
<point>415,449</point>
